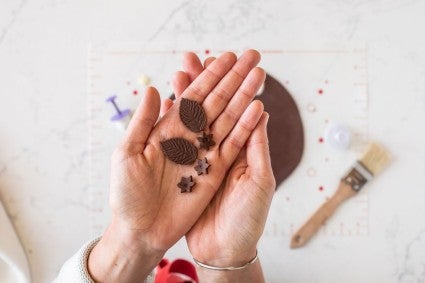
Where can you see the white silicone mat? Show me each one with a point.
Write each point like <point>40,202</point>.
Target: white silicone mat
<point>329,85</point>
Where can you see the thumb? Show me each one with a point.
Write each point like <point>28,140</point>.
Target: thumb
<point>144,119</point>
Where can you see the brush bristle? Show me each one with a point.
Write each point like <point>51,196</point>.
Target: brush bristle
<point>375,159</point>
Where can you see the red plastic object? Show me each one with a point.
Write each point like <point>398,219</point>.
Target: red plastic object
<point>178,271</point>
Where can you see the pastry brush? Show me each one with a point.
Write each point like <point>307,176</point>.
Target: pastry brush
<point>373,161</point>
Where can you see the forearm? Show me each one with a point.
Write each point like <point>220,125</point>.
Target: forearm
<point>121,257</point>
<point>251,274</point>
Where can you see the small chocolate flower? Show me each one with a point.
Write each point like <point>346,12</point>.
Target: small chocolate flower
<point>186,184</point>
<point>202,166</point>
<point>206,141</point>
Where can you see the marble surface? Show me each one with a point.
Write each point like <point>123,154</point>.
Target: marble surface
<point>44,135</point>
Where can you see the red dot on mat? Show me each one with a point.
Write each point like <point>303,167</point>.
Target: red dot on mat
<point>321,188</point>
<point>320,140</point>
<point>135,92</point>
<point>207,51</point>
<point>320,91</point>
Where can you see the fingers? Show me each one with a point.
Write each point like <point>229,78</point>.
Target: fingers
<point>165,106</point>
<point>144,119</point>
<point>208,61</point>
<point>237,138</point>
<point>180,82</point>
<point>217,101</point>
<point>193,68</point>
<point>234,109</point>
<point>208,79</point>
<point>258,154</point>
<point>192,65</point>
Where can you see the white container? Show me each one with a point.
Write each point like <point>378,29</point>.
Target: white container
<point>338,136</point>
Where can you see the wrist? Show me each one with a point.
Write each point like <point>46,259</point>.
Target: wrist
<point>122,256</point>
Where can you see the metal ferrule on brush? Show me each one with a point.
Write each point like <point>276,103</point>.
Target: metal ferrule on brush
<point>358,176</point>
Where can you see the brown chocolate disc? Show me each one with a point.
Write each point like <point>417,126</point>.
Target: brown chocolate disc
<point>285,129</point>
<point>192,115</point>
<point>180,151</point>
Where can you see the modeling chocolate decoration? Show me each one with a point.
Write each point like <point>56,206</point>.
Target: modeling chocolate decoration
<point>186,184</point>
<point>206,141</point>
<point>202,166</point>
<point>179,150</point>
<point>192,115</point>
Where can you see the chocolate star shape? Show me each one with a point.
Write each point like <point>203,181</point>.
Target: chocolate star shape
<point>202,166</point>
<point>206,141</point>
<point>186,184</point>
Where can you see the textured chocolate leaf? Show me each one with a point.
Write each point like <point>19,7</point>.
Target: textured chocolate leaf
<point>192,115</point>
<point>179,150</point>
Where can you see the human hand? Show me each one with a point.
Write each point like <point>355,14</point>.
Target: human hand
<point>147,208</point>
<point>228,231</point>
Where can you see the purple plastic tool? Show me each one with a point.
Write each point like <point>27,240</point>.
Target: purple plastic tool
<point>121,114</point>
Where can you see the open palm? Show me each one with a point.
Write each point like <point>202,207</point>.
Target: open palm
<point>144,195</point>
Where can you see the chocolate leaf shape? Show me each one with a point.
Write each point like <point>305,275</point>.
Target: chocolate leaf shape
<point>180,151</point>
<point>192,115</point>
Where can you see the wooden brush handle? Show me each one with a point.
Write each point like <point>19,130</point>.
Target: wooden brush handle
<point>310,228</point>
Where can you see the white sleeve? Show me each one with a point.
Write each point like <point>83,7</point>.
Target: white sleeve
<point>75,269</point>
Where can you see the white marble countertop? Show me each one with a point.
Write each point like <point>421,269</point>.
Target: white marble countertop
<point>43,117</point>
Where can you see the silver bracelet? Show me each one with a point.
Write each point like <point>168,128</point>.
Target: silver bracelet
<point>230,268</point>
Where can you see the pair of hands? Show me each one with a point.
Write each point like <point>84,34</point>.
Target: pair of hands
<point>224,216</point>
